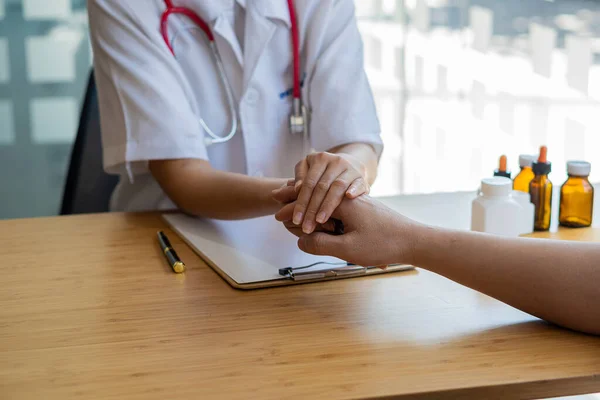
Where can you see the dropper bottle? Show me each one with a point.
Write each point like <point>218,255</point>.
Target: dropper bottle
<point>502,170</point>
<point>540,189</point>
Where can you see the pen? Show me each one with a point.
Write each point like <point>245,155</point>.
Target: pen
<point>176,264</point>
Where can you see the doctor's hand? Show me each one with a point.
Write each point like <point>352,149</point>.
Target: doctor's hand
<point>323,180</point>
<point>373,234</point>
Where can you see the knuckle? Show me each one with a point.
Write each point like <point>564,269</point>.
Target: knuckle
<point>360,183</point>
<point>310,215</point>
<point>323,186</point>
<point>300,207</point>
<point>323,156</point>
<point>340,161</point>
<point>311,211</point>
<point>310,183</point>
<point>339,184</point>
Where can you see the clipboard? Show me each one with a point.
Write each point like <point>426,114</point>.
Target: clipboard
<point>260,253</point>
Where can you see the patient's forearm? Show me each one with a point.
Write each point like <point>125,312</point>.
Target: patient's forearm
<point>554,280</point>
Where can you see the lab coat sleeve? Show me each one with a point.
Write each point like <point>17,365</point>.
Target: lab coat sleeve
<point>145,102</point>
<point>341,101</point>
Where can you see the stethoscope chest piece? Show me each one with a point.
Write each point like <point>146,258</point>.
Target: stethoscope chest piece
<point>299,119</point>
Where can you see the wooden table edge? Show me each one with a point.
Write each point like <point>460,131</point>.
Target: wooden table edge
<point>523,390</point>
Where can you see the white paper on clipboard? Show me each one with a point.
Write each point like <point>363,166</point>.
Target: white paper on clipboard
<point>248,251</point>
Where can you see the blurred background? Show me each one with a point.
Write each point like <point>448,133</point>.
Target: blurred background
<point>457,83</point>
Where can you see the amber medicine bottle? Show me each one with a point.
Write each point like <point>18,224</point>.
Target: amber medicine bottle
<point>577,196</point>
<point>540,189</point>
<point>525,176</point>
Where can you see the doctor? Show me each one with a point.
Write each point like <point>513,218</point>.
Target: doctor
<point>211,105</point>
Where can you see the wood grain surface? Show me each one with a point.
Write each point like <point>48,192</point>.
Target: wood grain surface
<point>89,309</point>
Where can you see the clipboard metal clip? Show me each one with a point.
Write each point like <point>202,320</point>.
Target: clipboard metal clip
<point>290,270</point>
<point>347,270</point>
<point>341,269</point>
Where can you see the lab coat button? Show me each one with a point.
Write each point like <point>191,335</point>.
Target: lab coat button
<point>252,96</point>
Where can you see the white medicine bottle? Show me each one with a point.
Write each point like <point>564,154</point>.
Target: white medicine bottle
<point>495,210</point>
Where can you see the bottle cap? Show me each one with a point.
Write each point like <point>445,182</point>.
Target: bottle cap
<point>542,166</point>
<point>496,186</point>
<point>505,174</point>
<point>579,168</point>
<point>526,160</point>
<point>502,170</point>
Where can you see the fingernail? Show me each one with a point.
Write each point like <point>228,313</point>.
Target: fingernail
<point>297,218</point>
<point>352,191</point>
<point>321,217</point>
<point>308,227</point>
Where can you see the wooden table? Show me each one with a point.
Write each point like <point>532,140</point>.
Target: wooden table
<point>90,310</point>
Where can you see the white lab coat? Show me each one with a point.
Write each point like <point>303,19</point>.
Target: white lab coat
<point>150,100</point>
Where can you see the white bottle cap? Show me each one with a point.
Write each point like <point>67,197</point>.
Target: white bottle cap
<point>579,168</point>
<point>496,186</point>
<point>526,160</point>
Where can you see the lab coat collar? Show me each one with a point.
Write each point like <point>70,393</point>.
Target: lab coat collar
<point>223,27</point>
<point>209,10</point>
<point>262,30</point>
<point>272,9</point>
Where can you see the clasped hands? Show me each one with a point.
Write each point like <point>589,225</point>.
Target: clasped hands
<point>330,186</point>
<point>322,181</point>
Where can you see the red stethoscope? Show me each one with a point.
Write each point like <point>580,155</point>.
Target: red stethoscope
<point>298,118</point>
